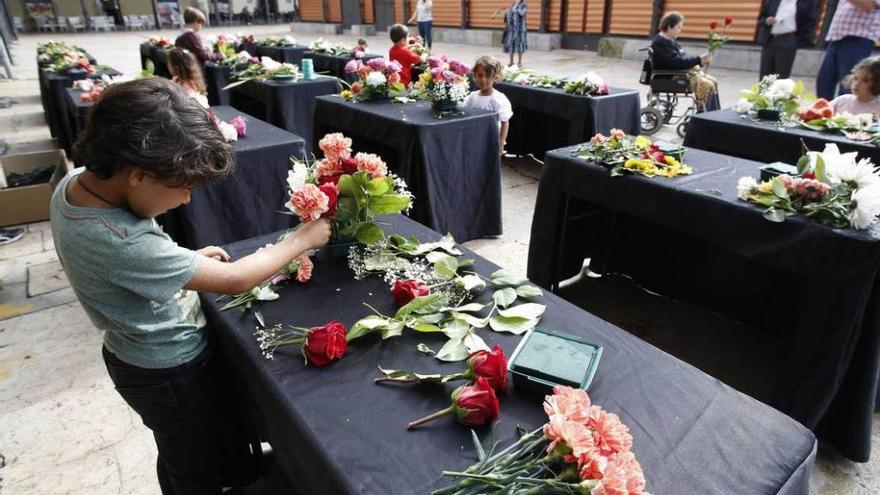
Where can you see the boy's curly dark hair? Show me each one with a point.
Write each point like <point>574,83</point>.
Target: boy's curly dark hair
<point>398,32</point>
<point>153,125</point>
<point>871,65</point>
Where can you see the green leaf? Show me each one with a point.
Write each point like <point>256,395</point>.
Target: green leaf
<point>481,454</point>
<point>379,186</point>
<point>528,291</point>
<point>456,328</point>
<point>819,170</point>
<point>469,308</point>
<point>453,350</point>
<point>366,326</point>
<point>775,215</point>
<point>779,188</point>
<point>394,329</point>
<point>369,233</point>
<point>423,327</point>
<point>471,320</point>
<point>346,186</point>
<point>384,261</point>
<point>446,243</point>
<point>474,342</point>
<point>405,244</point>
<point>503,278</point>
<point>446,268</point>
<point>346,209</point>
<point>425,349</point>
<point>472,282</point>
<point>528,310</point>
<point>504,297</point>
<point>435,256</point>
<point>514,325</point>
<point>434,377</point>
<point>432,318</point>
<point>259,316</point>
<point>387,204</point>
<point>422,305</point>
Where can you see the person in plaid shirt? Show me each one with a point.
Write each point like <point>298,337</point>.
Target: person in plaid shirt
<point>852,36</point>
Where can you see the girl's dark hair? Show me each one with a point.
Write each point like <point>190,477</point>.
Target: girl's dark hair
<point>153,125</point>
<point>491,65</point>
<point>871,65</point>
<point>670,20</point>
<point>183,64</point>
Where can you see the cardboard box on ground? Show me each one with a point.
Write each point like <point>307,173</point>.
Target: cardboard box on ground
<point>27,204</point>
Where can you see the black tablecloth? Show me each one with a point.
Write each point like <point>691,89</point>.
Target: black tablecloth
<point>333,65</point>
<point>545,119</point>
<point>216,78</point>
<point>55,86</point>
<point>250,201</point>
<point>159,56</point>
<point>335,431</point>
<point>451,165</point>
<point>813,287</point>
<point>287,105</point>
<point>77,110</point>
<point>726,132</point>
<point>289,54</point>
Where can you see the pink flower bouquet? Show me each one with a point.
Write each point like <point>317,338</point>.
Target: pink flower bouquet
<point>445,83</point>
<point>377,79</point>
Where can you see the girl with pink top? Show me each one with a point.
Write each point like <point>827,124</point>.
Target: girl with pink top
<point>865,85</point>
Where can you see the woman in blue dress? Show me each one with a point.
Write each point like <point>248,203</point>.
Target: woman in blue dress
<point>515,31</point>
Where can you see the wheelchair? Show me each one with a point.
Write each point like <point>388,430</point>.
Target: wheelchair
<point>667,87</point>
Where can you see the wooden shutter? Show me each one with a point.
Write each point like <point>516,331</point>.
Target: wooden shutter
<point>595,15</point>
<point>585,16</point>
<point>699,13</point>
<point>311,10</point>
<point>334,10</point>
<point>367,11</point>
<point>554,18</point>
<point>481,12</point>
<point>446,12</point>
<point>632,17</point>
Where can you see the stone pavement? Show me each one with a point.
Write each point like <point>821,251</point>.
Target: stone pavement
<point>63,429</point>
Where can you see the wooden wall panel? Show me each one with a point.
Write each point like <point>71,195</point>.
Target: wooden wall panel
<point>367,12</point>
<point>311,10</point>
<point>595,15</point>
<point>699,13</point>
<point>334,10</point>
<point>632,17</point>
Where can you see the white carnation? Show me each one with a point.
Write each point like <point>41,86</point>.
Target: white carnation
<point>289,40</point>
<point>296,177</point>
<point>264,293</point>
<point>744,187</point>
<point>376,79</point>
<point>269,64</point>
<point>743,106</point>
<point>228,131</point>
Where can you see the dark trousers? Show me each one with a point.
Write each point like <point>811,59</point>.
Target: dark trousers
<point>777,55</point>
<point>840,58</point>
<point>425,32</point>
<point>180,406</point>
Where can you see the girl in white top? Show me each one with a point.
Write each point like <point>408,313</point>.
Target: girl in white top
<point>424,16</point>
<point>487,70</point>
<point>865,85</point>
<point>187,73</point>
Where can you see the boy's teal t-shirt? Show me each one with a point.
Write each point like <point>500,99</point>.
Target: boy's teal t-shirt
<point>129,277</point>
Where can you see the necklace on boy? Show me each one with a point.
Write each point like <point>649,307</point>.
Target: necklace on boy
<point>93,193</point>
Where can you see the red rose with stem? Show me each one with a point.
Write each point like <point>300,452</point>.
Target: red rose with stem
<point>332,193</point>
<point>323,345</point>
<point>491,365</point>
<point>728,21</point>
<point>713,25</point>
<point>473,405</point>
<point>405,291</point>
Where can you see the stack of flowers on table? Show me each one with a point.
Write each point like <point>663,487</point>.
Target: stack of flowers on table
<point>588,85</point>
<point>50,52</point>
<point>445,83</point>
<point>73,61</point>
<point>92,89</point>
<point>161,42</point>
<point>772,99</point>
<point>349,189</point>
<point>623,155</point>
<point>819,116</point>
<point>834,189</point>
<point>239,60</point>
<point>277,41</point>
<point>232,130</point>
<point>717,38</point>
<point>582,449</point>
<point>299,269</point>
<point>378,79</point>
<point>265,69</point>
<point>528,77</point>
<point>337,50</point>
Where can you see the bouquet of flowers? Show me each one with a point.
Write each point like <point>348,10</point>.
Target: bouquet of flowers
<point>582,449</point>
<point>265,69</point>
<point>349,190</point>
<point>834,189</point>
<point>246,39</point>
<point>161,42</point>
<point>589,85</point>
<point>277,41</point>
<point>337,50</point>
<point>417,46</point>
<point>377,78</point>
<point>819,116</point>
<point>91,90</point>
<point>717,38</point>
<point>55,46</point>
<point>445,83</point>
<point>527,77</point>
<point>774,94</point>
<point>51,52</point>
<point>232,130</point>
<point>626,156</point>
<point>236,59</point>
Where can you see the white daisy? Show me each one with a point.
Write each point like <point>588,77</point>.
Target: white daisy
<point>843,167</point>
<point>228,131</point>
<point>866,206</point>
<point>376,79</point>
<point>264,293</point>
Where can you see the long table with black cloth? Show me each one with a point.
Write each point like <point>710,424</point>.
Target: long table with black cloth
<point>689,238</point>
<point>77,111</point>
<point>285,54</point>
<point>216,78</point>
<point>285,104</point>
<point>451,164</point>
<point>56,86</point>
<point>249,202</point>
<point>159,57</point>
<point>726,132</point>
<point>335,431</point>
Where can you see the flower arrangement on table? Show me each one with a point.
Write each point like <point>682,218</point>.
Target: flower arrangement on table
<point>93,89</point>
<point>819,116</point>
<point>377,79</point>
<point>445,83</point>
<point>233,130</point>
<point>263,70</point>
<point>717,38</point>
<point>588,85</point>
<point>277,41</point>
<point>834,189</point>
<point>55,46</point>
<point>528,77</point>
<point>51,52</point>
<point>582,449</point>
<point>623,155</point>
<point>772,98</point>
<point>161,42</point>
<point>66,62</point>
<point>299,269</point>
<point>337,50</point>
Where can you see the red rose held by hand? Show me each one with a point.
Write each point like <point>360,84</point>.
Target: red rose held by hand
<point>476,404</point>
<point>728,21</point>
<point>491,365</point>
<point>405,291</point>
<point>713,25</point>
<point>325,344</point>
<point>332,193</point>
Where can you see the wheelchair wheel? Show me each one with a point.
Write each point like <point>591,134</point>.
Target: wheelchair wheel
<point>682,128</point>
<point>651,120</point>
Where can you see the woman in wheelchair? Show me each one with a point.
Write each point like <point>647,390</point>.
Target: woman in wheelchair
<point>668,54</point>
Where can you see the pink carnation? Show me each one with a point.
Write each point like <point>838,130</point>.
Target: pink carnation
<point>437,74</point>
<point>309,203</point>
<point>617,134</point>
<point>598,139</point>
<point>571,434</point>
<point>353,66</point>
<point>328,168</point>
<point>609,433</point>
<point>570,403</point>
<point>393,66</point>
<point>459,68</point>
<point>304,273</point>
<point>592,465</point>
<point>449,76</point>
<point>434,61</point>
<point>623,476</point>
<point>371,164</point>
<point>335,146</point>
<point>240,125</point>
<point>377,63</point>
<point>281,277</point>
<point>809,188</point>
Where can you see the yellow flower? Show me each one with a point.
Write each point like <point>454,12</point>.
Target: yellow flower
<point>765,187</point>
<point>346,94</point>
<point>640,165</point>
<point>643,143</point>
<point>426,76</point>
<point>672,161</point>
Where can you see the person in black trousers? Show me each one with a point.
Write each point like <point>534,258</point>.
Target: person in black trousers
<point>783,27</point>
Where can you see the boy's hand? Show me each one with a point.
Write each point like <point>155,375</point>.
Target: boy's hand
<point>314,234</point>
<point>214,252</point>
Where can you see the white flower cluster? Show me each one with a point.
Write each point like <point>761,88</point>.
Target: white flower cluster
<point>243,56</point>
<point>230,135</point>
<point>269,64</point>
<point>288,40</point>
<point>376,79</point>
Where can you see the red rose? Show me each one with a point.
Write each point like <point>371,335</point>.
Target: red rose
<point>491,365</point>
<point>809,175</point>
<point>713,25</point>
<point>476,404</point>
<point>349,165</point>
<point>329,179</point>
<point>728,21</point>
<point>405,291</point>
<point>325,344</point>
<point>332,193</point>
<point>356,87</point>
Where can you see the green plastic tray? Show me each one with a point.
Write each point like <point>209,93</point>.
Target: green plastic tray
<point>544,359</point>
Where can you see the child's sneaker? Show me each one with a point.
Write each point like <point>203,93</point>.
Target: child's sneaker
<point>10,235</point>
